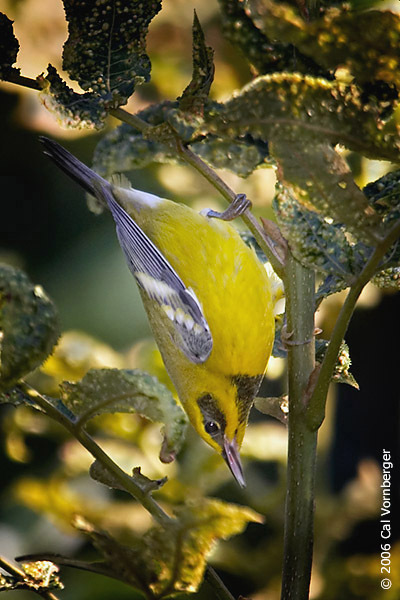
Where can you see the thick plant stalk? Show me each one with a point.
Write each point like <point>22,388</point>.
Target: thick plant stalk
<point>299,517</point>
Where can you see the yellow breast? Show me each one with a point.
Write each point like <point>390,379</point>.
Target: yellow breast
<point>227,278</point>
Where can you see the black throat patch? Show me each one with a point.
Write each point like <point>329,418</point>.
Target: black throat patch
<point>247,387</point>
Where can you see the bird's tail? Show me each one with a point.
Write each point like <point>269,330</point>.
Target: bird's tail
<point>74,168</point>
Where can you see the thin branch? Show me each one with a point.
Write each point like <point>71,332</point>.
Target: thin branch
<point>130,119</point>
<point>18,79</point>
<point>88,442</point>
<point>315,413</point>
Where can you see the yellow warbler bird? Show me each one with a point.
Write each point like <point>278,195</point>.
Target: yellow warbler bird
<point>207,297</point>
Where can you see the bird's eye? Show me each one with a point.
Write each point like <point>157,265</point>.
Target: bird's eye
<point>211,427</point>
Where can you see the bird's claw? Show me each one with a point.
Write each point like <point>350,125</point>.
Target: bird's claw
<point>237,207</point>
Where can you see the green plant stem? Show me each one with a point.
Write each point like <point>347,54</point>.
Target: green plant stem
<point>298,535</point>
<point>88,442</point>
<point>264,241</point>
<point>316,405</point>
<point>22,576</point>
<point>123,478</point>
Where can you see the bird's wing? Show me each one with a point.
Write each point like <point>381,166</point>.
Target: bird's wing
<point>157,278</point>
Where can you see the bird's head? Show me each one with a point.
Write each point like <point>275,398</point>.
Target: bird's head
<point>220,417</point>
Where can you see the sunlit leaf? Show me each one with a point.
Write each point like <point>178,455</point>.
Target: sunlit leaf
<point>298,107</point>
<point>240,155</point>
<point>40,576</point>
<point>330,285</point>
<point>196,94</point>
<point>274,407</point>
<point>131,391</point>
<point>200,525</point>
<point>338,39</point>
<point>122,149</point>
<point>316,242</point>
<point>106,47</point>
<point>72,110</point>
<point>384,193</point>
<point>28,324</point>
<point>318,177</point>
<point>265,54</point>
<point>384,196</point>
<point>172,559</point>
<point>9,47</point>
<point>341,372</point>
<point>388,278</point>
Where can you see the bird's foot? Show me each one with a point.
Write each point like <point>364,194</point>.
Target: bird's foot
<point>237,207</point>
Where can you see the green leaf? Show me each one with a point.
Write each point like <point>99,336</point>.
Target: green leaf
<point>106,47</point>
<point>293,107</point>
<point>324,246</point>
<point>274,407</point>
<point>239,155</point>
<point>172,559</point>
<point>388,278</point>
<point>365,44</point>
<point>314,241</point>
<point>72,110</point>
<point>384,196</point>
<point>341,372</point>
<point>265,54</point>
<point>28,324</point>
<point>201,524</point>
<point>319,177</point>
<point>128,391</point>
<point>122,150</point>
<point>330,285</point>
<point>9,47</point>
<point>196,94</point>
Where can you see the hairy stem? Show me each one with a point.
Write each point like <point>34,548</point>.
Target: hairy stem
<point>298,535</point>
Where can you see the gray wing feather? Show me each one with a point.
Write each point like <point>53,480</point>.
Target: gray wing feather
<point>161,283</point>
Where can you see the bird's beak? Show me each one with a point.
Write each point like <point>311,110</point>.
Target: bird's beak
<point>231,456</point>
